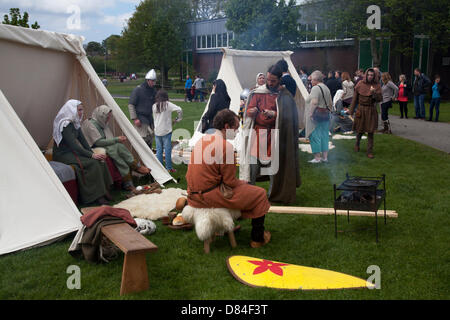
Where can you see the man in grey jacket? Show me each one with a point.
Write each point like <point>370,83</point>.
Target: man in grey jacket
<point>140,107</point>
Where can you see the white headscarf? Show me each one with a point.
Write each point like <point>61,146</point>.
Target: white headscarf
<point>90,131</point>
<point>257,76</point>
<point>68,114</point>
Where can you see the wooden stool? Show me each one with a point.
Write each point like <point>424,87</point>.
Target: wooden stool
<point>231,238</point>
<point>134,246</point>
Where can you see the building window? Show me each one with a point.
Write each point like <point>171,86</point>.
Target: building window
<point>219,40</point>
<point>203,41</point>
<point>199,42</point>
<point>225,40</point>
<point>208,37</point>
<point>214,41</point>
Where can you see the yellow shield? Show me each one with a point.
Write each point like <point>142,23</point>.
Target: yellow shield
<point>257,272</point>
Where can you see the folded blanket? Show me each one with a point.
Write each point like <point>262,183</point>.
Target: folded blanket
<point>95,214</point>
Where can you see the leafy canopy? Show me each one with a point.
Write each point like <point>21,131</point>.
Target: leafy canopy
<point>263,24</point>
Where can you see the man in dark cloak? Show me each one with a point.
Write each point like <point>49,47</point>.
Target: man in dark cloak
<point>270,143</point>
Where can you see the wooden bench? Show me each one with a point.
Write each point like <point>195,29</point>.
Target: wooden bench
<point>134,246</point>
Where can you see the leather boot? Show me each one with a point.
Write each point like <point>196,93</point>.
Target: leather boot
<point>387,125</point>
<point>370,146</point>
<point>358,141</point>
<point>384,130</point>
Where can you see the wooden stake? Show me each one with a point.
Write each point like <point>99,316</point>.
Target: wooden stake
<point>328,211</point>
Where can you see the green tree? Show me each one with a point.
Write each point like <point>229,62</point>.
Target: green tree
<point>349,18</point>
<point>154,36</point>
<point>16,19</point>
<point>400,21</point>
<point>263,24</point>
<point>95,49</point>
<point>208,9</point>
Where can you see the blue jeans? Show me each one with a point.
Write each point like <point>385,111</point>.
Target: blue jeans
<point>197,93</point>
<point>435,102</point>
<point>164,142</point>
<point>319,137</point>
<point>419,106</point>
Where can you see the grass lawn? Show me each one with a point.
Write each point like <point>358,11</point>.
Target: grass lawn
<point>444,110</point>
<point>413,253</point>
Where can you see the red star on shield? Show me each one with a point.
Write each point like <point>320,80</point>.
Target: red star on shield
<point>268,265</point>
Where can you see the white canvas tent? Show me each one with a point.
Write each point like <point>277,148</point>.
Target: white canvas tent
<point>39,72</point>
<point>239,69</point>
<point>34,206</point>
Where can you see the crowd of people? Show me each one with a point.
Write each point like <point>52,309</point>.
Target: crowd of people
<point>270,153</point>
<point>356,102</point>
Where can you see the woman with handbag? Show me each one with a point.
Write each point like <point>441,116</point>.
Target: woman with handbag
<point>319,104</point>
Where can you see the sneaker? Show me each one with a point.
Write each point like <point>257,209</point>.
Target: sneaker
<point>255,244</point>
<point>314,161</point>
<point>324,160</point>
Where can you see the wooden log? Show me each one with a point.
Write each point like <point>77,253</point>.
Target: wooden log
<point>329,211</point>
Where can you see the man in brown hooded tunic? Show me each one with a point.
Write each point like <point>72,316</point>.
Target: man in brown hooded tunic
<point>367,94</point>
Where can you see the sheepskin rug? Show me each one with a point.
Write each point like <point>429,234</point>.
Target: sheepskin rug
<point>346,137</point>
<point>210,221</point>
<point>152,206</point>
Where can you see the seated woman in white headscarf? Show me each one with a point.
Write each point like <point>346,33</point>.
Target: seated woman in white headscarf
<point>99,135</point>
<point>260,80</point>
<point>71,148</point>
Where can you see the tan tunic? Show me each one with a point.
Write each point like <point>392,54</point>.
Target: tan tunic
<point>366,117</point>
<point>207,171</point>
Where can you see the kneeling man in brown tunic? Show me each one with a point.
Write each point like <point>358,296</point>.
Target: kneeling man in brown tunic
<point>212,183</point>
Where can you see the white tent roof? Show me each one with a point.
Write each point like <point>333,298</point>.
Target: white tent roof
<point>239,69</point>
<point>41,70</point>
<point>34,206</point>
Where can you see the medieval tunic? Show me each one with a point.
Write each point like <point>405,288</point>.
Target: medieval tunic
<point>212,162</point>
<point>263,123</point>
<point>98,134</point>
<point>285,158</point>
<point>93,177</point>
<point>140,107</point>
<point>366,117</point>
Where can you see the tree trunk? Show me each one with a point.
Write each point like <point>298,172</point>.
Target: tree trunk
<point>377,53</point>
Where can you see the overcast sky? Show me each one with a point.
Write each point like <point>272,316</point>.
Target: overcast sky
<point>95,20</point>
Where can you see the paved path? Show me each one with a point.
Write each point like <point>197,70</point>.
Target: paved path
<point>433,134</point>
